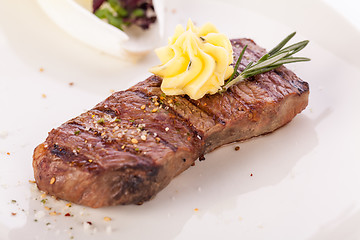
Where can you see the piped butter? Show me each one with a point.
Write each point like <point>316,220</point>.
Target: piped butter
<point>195,62</point>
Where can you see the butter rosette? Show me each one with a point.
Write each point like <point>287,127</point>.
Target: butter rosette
<point>195,62</point>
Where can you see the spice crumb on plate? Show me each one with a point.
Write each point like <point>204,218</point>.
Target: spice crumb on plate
<point>52,180</point>
<point>54,213</point>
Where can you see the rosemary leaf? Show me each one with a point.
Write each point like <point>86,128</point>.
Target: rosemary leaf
<point>281,44</point>
<point>263,58</point>
<point>292,60</point>
<point>248,66</point>
<point>277,57</point>
<point>269,62</point>
<point>294,48</point>
<point>237,64</point>
<point>259,71</point>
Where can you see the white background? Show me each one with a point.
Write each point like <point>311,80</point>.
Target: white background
<point>305,181</point>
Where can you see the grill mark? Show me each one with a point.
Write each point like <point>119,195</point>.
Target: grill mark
<point>112,112</point>
<point>197,105</point>
<point>133,152</point>
<point>185,122</point>
<point>86,129</point>
<point>164,142</point>
<point>214,116</point>
<point>273,94</point>
<point>229,95</point>
<point>293,83</point>
<point>77,160</point>
<point>188,125</point>
<point>60,152</point>
<point>234,93</point>
<point>250,94</point>
<point>247,107</point>
<point>276,78</point>
<point>142,94</point>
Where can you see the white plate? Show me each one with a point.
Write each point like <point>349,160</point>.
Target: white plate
<point>305,177</point>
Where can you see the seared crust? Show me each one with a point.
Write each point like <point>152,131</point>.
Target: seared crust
<point>129,147</point>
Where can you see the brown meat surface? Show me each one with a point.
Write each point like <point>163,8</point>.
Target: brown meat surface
<point>130,146</point>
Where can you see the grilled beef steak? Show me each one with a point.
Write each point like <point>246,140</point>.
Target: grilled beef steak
<point>129,147</point>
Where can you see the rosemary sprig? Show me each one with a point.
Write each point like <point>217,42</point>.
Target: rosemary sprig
<point>275,58</point>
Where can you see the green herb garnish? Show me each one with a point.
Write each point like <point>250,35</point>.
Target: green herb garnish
<point>138,12</point>
<point>114,14</point>
<point>112,19</point>
<point>275,58</point>
<point>122,14</point>
<point>101,121</point>
<point>116,6</point>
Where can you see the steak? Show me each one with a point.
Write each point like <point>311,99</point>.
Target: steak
<point>130,146</point>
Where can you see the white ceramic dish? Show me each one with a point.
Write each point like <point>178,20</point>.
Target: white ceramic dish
<point>76,19</point>
<point>304,184</point>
